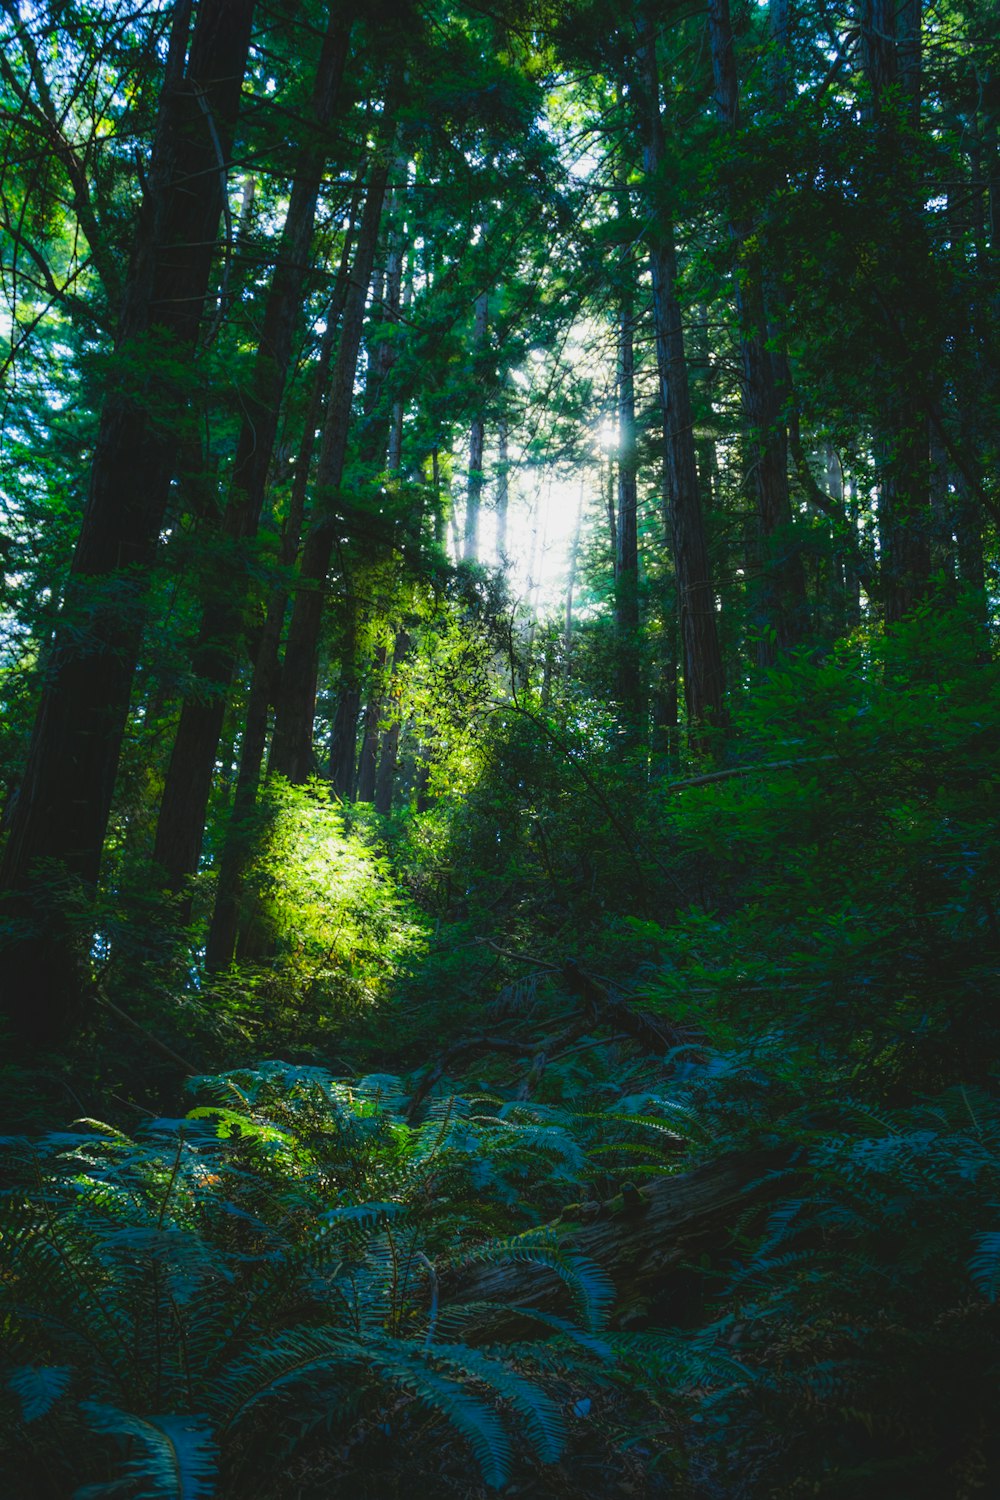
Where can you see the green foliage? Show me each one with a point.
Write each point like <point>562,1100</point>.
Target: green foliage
<point>847,887</point>
<point>270,1253</point>
<point>874,1358</point>
<point>322,902</point>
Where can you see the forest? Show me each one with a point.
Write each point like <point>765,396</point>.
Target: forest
<point>500,749</point>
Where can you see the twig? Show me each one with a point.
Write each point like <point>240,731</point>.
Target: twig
<point>190,1070</point>
<point>520,958</point>
<point>769,765</point>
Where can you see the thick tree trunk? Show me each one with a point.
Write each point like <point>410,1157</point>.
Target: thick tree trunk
<point>181,822</point>
<point>891,58</point>
<point>703,675</point>
<point>292,743</point>
<point>781,610</point>
<point>65,798</point>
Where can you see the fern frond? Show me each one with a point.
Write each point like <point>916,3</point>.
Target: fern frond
<point>474,1421</point>
<point>541,1417</point>
<point>175,1458</point>
<point>984,1266</point>
<point>458,1315</point>
<point>271,1369</point>
<point>591,1287</point>
<point>38,1388</point>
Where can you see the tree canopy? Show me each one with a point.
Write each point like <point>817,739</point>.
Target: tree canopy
<point>499,748</point>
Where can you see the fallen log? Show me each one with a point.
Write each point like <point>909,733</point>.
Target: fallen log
<point>652,1242</point>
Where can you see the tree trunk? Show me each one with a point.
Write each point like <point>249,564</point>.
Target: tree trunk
<point>368,759</point>
<point>181,823</point>
<point>292,747</point>
<point>781,610</point>
<point>65,798</point>
<point>703,676</point>
<point>386,779</point>
<point>629,685</point>
<point>477,437</point>
<point>891,58</point>
<point>238,845</point>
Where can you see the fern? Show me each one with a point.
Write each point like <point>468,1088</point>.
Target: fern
<point>591,1288</point>
<point>984,1267</point>
<point>172,1458</point>
<point>38,1387</point>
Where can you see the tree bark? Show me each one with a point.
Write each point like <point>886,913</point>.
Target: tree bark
<point>385,782</point>
<point>643,1240</point>
<point>702,656</point>
<point>292,747</point>
<point>368,758</point>
<point>477,438</point>
<point>629,684</point>
<point>782,616</point>
<point>181,823</point>
<point>65,798</point>
<point>891,59</point>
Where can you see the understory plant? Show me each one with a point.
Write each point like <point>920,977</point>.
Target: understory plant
<point>258,1289</point>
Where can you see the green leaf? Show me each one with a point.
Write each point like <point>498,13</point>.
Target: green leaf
<point>170,1458</point>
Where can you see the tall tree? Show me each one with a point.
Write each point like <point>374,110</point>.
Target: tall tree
<point>189,776</point>
<point>702,656</point>
<point>781,592</point>
<point>65,797</point>
<point>891,57</point>
<point>292,744</point>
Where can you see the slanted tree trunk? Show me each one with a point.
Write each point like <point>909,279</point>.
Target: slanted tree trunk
<point>292,742</point>
<point>181,822</point>
<point>781,610</point>
<point>240,832</point>
<point>702,656</point>
<point>65,798</point>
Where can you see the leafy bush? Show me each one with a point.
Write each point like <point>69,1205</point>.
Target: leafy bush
<point>325,917</point>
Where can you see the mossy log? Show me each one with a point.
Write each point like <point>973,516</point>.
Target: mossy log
<point>654,1243</point>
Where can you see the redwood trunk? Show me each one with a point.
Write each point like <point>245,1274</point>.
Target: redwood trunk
<point>65,798</point>
<point>181,823</point>
<point>703,675</point>
<point>781,596</point>
<point>891,58</point>
<point>292,744</point>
